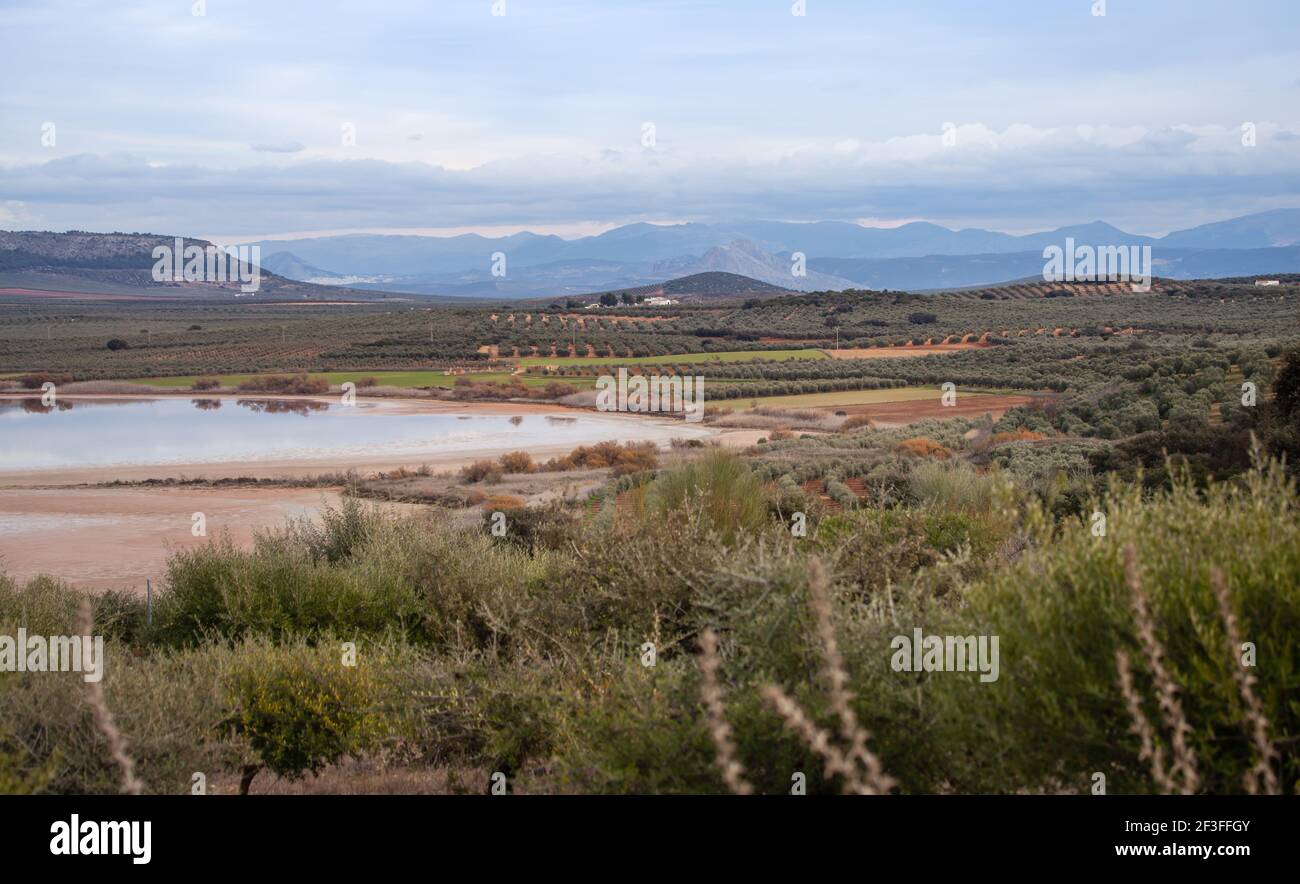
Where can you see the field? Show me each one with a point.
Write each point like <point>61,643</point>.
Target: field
<point>900,352</point>
<point>771,572</point>
<point>682,358</point>
<point>893,407</point>
<point>837,400</point>
<point>408,379</point>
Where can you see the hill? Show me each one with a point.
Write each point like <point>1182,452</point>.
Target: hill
<point>708,286</point>
<point>121,264</point>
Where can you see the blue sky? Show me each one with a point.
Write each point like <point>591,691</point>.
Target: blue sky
<point>232,123</point>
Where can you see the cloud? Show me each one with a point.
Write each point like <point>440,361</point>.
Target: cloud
<point>279,147</point>
<point>1017,177</point>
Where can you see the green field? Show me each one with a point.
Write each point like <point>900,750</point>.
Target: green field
<point>385,378</point>
<point>724,356</point>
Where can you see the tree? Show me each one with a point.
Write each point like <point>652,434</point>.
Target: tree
<point>118,344</point>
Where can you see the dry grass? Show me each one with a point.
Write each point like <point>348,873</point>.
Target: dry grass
<point>365,777</point>
<point>104,721</point>
<point>769,417</point>
<point>858,768</point>
<point>733,774</point>
<point>502,502</point>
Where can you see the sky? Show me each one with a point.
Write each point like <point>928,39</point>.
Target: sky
<point>232,119</point>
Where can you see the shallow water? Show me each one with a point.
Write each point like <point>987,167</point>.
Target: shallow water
<point>97,432</point>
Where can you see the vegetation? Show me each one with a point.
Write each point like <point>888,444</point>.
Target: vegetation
<point>1131,534</point>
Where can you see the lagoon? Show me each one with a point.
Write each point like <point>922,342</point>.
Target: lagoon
<point>82,432</point>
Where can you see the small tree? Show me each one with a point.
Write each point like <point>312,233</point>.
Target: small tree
<point>301,708</point>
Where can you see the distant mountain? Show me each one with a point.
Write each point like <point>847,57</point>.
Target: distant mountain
<point>592,276</point>
<point>837,255</point>
<point>745,258</point>
<point>290,266</point>
<point>641,254</point>
<point>959,271</point>
<point>1260,231</point>
<point>122,264</point>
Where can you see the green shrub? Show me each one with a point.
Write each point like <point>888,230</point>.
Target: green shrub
<point>721,486</point>
<point>300,708</point>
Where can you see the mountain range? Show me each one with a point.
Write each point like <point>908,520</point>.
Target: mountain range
<point>836,255</point>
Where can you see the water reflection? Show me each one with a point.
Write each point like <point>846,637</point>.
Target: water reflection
<point>34,405</point>
<point>303,407</point>
<point>207,404</point>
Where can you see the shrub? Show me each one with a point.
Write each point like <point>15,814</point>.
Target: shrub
<point>117,344</point>
<point>205,384</point>
<point>1020,434</point>
<point>502,502</point>
<point>920,446</point>
<point>296,385</point>
<point>478,470</point>
<point>517,462</point>
<point>729,496</point>
<point>955,487</point>
<point>300,708</point>
<point>37,380</point>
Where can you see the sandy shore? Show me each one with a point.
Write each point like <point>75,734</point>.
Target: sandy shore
<point>115,538</point>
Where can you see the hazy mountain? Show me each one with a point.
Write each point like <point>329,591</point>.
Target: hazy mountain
<point>745,258</point>
<point>291,266</point>
<point>674,244</point>
<point>957,271</point>
<point>1263,230</point>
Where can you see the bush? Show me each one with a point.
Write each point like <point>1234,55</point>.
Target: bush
<point>729,496</point>
<point>922,447</point>
<point>205,384</point>
<point>517,462</point>
<point>117,344</point>
<point>300,708</point>
<point>953,488</point>
<point>478,470</point>
<point>295,385</point>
